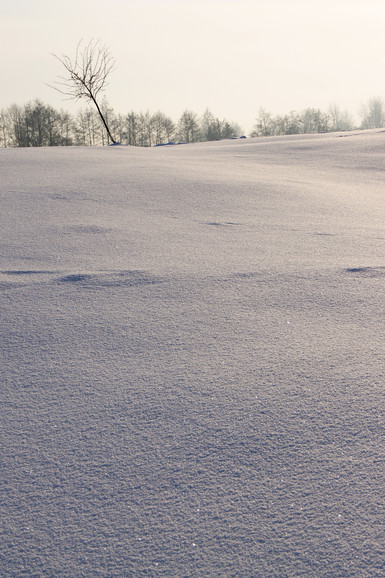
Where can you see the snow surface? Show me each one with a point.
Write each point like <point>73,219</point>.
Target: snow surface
<point>193,359</point>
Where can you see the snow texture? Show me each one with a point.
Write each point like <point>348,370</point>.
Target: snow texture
<point>192,365</point>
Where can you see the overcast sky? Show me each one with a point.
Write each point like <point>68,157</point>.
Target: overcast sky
<point>232,56</point>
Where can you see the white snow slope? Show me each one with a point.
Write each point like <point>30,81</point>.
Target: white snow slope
<point>192,365</point>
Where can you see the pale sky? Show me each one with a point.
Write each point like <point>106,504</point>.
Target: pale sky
<point>231,56</point>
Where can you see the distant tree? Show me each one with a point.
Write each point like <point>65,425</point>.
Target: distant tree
<point>17,126</point>
<point>132,122</point>
<point>43,123</point>
<point>169,128</point>
<point>162,128</point>
<point>314,121</point>
<point>5,129</point>
<point>119,127</point>
<point>210,126</point>
<point>373,113</point>
<point>144,129</point>
<point>51,121</point>
<point>279,125</point>
<point>293,125</point>
<point>229,129</point>
<point>66,128</point>
<point>264,125</point>
<point>213,128</point>
<point>87,128</point>
<point>34,125</point>
<point>87,76</point>
<point>340,119</point>
<point>188,129</point>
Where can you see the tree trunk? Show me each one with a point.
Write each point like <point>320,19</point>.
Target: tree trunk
<point>113,141</point>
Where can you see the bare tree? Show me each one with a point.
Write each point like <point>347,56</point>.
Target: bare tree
<point>373,113</point>
<point>188,127</point>
<point>87,75</point>
<point>264,125</point>
<point>5,128</point>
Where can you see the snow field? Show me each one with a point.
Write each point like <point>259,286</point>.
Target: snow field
<point>193,359</point>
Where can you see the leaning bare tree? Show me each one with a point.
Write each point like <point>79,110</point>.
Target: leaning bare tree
<point>87,75</point>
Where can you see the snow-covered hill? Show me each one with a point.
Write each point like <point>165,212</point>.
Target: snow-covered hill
<point>192,344</point>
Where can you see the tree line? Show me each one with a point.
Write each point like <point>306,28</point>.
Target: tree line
<point>314,120</point>
<point>37,124</point>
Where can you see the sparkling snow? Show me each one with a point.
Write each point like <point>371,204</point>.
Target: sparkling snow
<point>192,366</point>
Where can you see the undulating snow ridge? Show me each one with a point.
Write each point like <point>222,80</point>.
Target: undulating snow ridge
<point>193,359</point>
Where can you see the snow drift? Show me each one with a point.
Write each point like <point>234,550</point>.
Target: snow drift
<point>193,358</point>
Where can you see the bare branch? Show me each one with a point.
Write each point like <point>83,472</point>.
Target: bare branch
<point>87,74</point>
